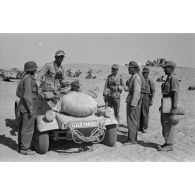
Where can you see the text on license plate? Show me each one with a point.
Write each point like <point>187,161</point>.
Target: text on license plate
<point>80,124</point>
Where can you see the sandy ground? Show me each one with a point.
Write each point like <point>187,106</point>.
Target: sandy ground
<point>145,150</point>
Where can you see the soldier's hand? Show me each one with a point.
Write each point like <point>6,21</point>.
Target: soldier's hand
<point>120,88</point>
<point>151,102</point>
<point>173,111</point>
<point>114,88</point>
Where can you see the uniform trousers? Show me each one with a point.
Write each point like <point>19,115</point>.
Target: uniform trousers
<point>133,120</point>
<point>144,117</point>
<point>168,129</point>
<point>26,130</point>
<point>115,104</point>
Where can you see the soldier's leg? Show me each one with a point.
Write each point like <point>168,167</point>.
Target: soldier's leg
<point>27,131</point>
<point>170,132</point>
<point>132,122</point>
<point>116,106</point>
<point>141,126</point>
<point>20,122</point>
<point>145,110</point>
<point>110,102</point>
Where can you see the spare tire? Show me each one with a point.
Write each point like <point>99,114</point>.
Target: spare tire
<point>78,104</point>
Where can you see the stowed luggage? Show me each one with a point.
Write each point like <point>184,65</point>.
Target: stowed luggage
<point>78,104</point>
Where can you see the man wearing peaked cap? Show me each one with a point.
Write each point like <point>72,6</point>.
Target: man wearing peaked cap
<point>133,101</point>
<point>113,89</point>
<point>133,64</point>
<point>51,77</point>
<point>147,99</point>
<point>169,90</point>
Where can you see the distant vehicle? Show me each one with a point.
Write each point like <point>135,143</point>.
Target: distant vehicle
<point>51,125</point>
<point>14,73</point>
<point>156,63</point>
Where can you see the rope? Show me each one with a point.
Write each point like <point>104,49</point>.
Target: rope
<point>97,135</point>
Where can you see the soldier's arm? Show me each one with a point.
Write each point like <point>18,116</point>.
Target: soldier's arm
<point>152,91</point>
<point>174,90</point>
<point>105,92</point>
<point>28,95</point>
<point>122,84</point>
<point>42,73</point>
<point>136,91</point>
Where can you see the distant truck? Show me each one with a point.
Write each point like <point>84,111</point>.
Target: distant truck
<point>14,73</point>
<point>156,63</point>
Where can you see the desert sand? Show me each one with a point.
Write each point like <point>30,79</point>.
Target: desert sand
<point>145,150</point>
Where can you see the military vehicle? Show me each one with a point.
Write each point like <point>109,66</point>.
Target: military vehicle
<point>51,125</point>
<point>14,73</point>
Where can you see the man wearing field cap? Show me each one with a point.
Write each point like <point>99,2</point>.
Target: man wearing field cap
<point>75,86</point>
<point>51,77</point>
<point>147,100</point>
<point>133,100</point>
<point>169,90</point>
<point>113,89</point>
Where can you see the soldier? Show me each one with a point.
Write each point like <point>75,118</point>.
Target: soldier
<point>75,86</point>
<point>169,90</point>
<point>133,100</point>
<point>52,75</point>
<point>27,91</point>
<point>113,89</point>
<point>147,100</point>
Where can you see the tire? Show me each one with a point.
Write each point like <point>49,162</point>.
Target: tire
<point>110,135</point>
<point>41,141</point>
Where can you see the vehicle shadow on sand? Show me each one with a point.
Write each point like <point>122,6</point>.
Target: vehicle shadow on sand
<point>11,123</point>
<point>69,147</point>
<point>7,141</point>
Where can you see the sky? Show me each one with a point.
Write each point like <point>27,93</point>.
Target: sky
<point>96,48</point>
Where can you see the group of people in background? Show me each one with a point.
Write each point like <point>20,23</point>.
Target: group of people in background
<point>140,88</point>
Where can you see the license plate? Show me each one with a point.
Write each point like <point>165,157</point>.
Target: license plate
<point>83,124</point>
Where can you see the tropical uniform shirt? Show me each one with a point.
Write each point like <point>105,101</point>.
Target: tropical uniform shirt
<point>27,90</point>
<point>171,85</point>
<point>51,76</point>
<point>134,85</point>
<point>114,86</point>
<point>149,87</point>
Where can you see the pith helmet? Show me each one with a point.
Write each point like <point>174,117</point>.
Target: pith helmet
<point>169,63</point>
<point>115,66</point>
<point>30,66</point>
<point>59,53</point>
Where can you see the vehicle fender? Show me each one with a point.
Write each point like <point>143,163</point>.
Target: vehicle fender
<point>44,125</point>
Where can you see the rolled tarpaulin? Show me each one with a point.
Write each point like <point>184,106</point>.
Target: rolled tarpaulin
<point>78,104</point>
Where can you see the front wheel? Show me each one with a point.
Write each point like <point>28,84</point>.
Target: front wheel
<point>41,142</point>
<point>110,135</point>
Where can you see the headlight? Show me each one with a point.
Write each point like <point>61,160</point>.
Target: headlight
<point>50,115</point>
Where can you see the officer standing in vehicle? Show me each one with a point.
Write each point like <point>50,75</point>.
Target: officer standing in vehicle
<point>169,90</point>
<point>133,100</point>
<point>51,77</point>
<point>147,100</point>
<point>113,89</point>
<point>27,91</point>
